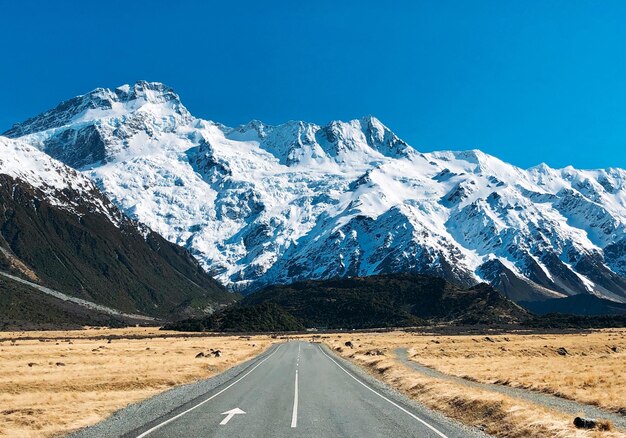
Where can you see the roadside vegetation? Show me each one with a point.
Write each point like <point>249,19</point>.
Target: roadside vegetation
<point>55,382</point>
<point>586,367</point>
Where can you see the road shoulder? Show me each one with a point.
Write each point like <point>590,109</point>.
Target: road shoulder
<point>563,405</point>
<point>429,415</point>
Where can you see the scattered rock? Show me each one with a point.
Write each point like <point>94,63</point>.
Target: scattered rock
<point>562,351</point>
<point>199,355</point>
<point>585,423</point>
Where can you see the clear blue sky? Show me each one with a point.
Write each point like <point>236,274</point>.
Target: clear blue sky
<point>528,81</point>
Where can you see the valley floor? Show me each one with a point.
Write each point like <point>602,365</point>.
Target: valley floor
<point>445,373</point>
<point>55,382</point>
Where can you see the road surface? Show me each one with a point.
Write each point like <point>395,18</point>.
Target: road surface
<point>299,389</point>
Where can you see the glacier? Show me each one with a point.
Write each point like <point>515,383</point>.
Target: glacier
<point>259,204</point>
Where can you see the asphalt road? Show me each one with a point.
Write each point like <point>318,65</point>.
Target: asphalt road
<point>299,389</point>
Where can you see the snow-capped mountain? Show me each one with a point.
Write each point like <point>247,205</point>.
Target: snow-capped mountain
<point>58,230</point>
<point>260,204</point>
<point>55,180</point>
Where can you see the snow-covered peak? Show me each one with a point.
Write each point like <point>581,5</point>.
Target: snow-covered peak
<point>263,203</point>
<point>103,103</point>
<point>23,161</point>
<point>296,143</point>
<point>367,136</point>
<point>106,124</point>
<point>59,184</point>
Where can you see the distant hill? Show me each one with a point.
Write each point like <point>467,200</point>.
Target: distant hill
<point>264,317</point>
<point>392,300</point>
<point>576,305</point>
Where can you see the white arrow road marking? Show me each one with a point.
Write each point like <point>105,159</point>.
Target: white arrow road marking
<point>230,414</point>
<point>158,426</point>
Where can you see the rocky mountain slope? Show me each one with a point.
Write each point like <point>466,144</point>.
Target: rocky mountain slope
<point>58,230</point>
<point>259,204</point>
<point>23,307</point>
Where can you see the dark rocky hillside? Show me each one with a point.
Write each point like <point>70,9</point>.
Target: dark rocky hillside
<point>576,305</point>
<point>389,300</point>
<point>264,317</point>
<point>25,308</point>
<point>393,300</point>
<point>84,253</point>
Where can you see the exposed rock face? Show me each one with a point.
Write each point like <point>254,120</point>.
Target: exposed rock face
<point>59,230</point>
<point>260,204</point>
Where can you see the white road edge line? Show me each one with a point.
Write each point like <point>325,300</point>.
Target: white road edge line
<point>294,414</point>
<point>158,426</point>
<point>385,398</point>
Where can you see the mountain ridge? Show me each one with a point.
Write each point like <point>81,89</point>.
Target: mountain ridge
<point>260,204</point>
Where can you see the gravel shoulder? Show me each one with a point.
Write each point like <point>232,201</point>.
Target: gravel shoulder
<point>550,401</point>
<point>363,375</point>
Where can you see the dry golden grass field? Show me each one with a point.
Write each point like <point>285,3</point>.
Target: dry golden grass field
<point>60,381</point>
<point>592,371</point>
<point>55,382</point>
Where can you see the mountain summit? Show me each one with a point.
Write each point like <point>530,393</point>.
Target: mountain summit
<point>260,204</point>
